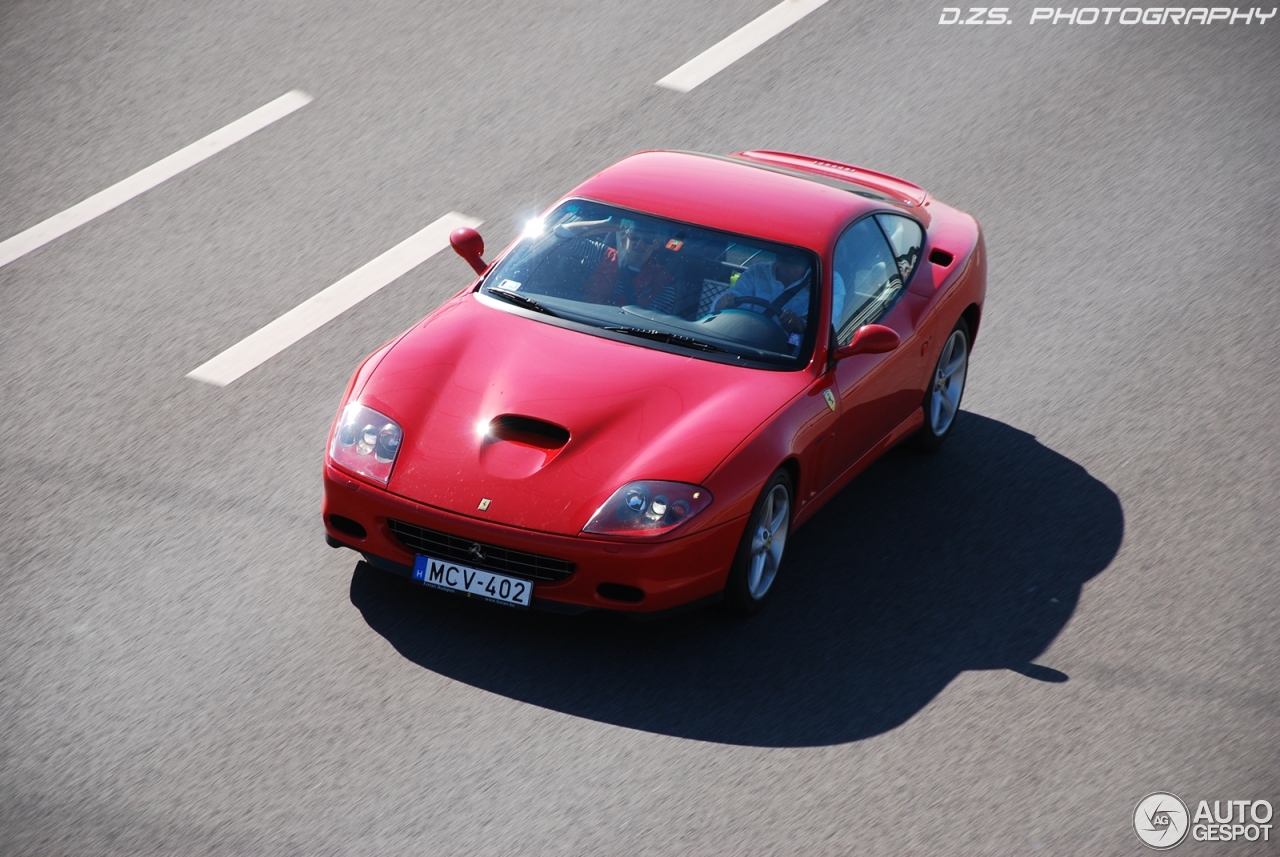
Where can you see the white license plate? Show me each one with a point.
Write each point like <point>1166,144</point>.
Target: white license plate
<point>442,574</point>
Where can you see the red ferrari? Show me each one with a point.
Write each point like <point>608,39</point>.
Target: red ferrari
<point>635,405</point>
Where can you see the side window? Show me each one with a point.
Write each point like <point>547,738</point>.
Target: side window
<point>866,279</point>
<point>906,237</point>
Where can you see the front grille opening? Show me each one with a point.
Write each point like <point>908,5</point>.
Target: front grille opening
<point>941,258</point>
<point>517,563</point>
<point>347,526</point>
<point>529,431</point>
<point>620,592</point>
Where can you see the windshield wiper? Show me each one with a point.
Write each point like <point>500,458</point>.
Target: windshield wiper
<point>669,338</point>
<point>520,301</point>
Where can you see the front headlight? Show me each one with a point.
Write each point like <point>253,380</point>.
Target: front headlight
<point>366,442</point>
<point>648,508</point>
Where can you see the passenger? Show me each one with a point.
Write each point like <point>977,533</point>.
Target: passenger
<point>630,274</point>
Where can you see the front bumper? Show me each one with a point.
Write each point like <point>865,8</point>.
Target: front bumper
<point>663,574</point>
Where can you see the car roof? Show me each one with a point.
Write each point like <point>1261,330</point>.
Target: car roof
<point>732,195</point>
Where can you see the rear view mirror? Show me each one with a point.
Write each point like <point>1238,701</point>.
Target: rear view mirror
<point>870,339</point>
<point>468,244</point>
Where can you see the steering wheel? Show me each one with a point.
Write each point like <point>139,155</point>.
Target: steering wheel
<point>770,311</point>
<point>746,326</point>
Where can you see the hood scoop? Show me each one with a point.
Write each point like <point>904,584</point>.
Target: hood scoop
<point>516,446</point>
<point>528,431</point>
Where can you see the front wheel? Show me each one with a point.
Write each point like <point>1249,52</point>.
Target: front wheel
<point>946,386</point>
<point>760,553</point>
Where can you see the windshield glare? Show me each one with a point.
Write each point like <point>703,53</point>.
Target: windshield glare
<point>657,281</point>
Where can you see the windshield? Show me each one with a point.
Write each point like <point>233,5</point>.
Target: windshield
<point>663,284</point>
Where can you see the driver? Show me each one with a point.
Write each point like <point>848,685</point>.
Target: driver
<point>786,279</point>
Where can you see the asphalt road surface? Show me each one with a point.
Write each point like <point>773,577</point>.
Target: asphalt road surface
<point>999,649</point>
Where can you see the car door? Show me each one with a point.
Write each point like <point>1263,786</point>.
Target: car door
<point>877,391</point>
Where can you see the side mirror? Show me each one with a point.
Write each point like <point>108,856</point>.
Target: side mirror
<point>870,339</point>
<point>468,244</point>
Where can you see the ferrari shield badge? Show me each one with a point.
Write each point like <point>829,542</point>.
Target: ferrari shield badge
<point>831,399</point>
<point>484,505</point>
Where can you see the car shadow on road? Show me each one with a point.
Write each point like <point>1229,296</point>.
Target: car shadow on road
<point>925,566</point>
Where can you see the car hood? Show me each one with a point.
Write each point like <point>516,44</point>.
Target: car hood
<point>630,412</point>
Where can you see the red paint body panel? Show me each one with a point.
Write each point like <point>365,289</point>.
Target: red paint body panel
<point>728,195</point>
<point>952,231</point>
<point>671,572</point>
<point>631,412</point>
<point>900,189</point>
<point>638,413</point>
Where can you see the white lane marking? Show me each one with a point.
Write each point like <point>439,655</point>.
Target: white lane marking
<point>321,308</point>
<point>734,47</point>
<point>144,180</point>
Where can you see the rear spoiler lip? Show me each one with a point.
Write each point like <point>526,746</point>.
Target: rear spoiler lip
<point>909,193</point>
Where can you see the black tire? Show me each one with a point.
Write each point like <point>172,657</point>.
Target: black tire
<point>943,396</point>
<point>755,566</point>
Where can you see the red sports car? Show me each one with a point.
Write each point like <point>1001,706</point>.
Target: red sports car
<point>643,396</point>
